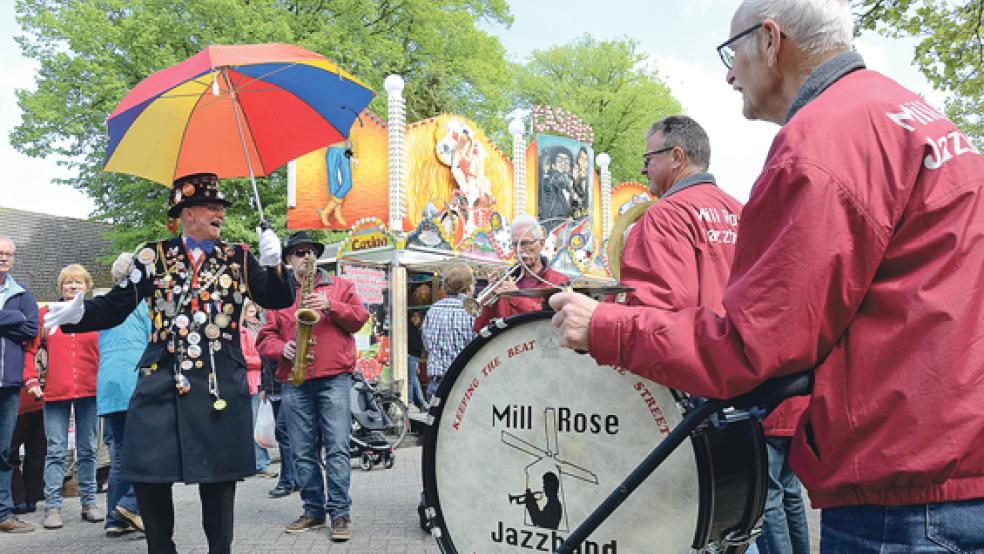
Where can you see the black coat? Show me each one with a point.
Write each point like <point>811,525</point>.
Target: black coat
<point>172,437</point>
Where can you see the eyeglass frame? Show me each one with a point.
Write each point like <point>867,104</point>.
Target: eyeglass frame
<point>524,243</point>
<point>298,252</point>
<point>648,155</point>
<point>727,44</point>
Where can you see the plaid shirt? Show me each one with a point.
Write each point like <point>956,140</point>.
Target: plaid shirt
<point>446,331</point>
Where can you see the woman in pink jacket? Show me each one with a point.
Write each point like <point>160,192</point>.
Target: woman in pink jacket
<point>73,359</point>
<point>248,329</point>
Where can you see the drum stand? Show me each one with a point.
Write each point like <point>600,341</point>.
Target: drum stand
<point>770,394</point>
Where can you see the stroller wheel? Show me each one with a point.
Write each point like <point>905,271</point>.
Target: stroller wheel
<point>366,463</point>
<point>390,460</point>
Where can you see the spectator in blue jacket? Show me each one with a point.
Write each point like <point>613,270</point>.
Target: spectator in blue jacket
<point>120,349</point>
<point>18,325</point>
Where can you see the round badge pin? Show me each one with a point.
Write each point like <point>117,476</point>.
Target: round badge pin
<point>194,351</point>
<point>212,331</point>
<point>219,405</point>
<point>146,256</point>
<point>194,338</point>
<point>200,318</point>
<point>225,281</point>
<point>186,365</point>
<point>181,321</point>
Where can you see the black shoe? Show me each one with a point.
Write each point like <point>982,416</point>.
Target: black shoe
<point>21,509</point>
<point>279,492</point>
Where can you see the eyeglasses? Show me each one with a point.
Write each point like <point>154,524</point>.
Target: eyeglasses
<point>727,52</point>
<point>651,153</point>
<point>302,252</point>
<point>524,243</point>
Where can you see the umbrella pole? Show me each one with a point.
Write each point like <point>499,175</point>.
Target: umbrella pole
<point>242,139</point>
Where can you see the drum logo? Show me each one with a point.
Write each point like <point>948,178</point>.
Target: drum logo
<point>544,501</point>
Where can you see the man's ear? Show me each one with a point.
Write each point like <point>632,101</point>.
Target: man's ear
<point>772,41</point>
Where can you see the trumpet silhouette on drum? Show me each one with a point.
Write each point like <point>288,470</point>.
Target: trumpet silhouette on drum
<point>550,515</point>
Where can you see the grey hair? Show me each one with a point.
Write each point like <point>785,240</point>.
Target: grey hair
<point>817,26</point>
<point>523,221</point>
<point>683,131</point>
<point>5,238</point>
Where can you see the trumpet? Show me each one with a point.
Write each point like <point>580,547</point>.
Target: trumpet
<point>488,296</point>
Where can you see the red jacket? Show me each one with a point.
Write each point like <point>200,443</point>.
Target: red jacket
<point>680,251</point>
<point>247,341</point>
<point>507,306</point>
<point>334,346</point>
<point>860,256</point>
<point>73,359</point>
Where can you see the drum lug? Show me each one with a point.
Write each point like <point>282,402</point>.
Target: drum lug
<point>434,402</point>
<point>429,420</point>
<point>486,332</point>
<point>499,322</point>
<point>431,515</point>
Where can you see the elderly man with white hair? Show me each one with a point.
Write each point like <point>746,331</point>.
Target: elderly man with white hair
<point>861,251</point>
<point>533,272</point>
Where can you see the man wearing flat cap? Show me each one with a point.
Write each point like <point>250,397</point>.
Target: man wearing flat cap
<point>320,404</point>
<point>190,418</point>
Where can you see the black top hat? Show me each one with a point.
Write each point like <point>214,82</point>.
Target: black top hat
<point>193,190</point>
<point>300,238</point>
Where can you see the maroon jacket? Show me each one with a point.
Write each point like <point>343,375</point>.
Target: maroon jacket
<point>334,346</point>
<point>679,253</point>
<point>507,306</point>
<point>860,255</point>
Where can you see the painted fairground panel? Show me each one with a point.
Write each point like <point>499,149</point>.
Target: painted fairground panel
<point>345,182</point>
<point>459,188</point>
<point>628,194</point>
<point>564,178</point>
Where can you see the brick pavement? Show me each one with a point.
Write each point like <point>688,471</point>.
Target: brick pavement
<point>384,520</point>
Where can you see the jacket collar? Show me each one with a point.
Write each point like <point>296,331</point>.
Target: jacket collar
<point>689,181</point>
<point>13,289</point>
<point>822,77</point>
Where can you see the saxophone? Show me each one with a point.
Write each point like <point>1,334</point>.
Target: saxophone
<point>306,318</point>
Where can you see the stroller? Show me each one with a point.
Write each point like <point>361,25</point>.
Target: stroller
<point>369,420</point>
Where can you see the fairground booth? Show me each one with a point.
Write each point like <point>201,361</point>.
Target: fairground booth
<point>414,197</point>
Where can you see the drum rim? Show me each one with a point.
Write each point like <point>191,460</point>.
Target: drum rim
<point>428,469</point>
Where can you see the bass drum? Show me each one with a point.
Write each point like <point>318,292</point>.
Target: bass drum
<point>527,438</point>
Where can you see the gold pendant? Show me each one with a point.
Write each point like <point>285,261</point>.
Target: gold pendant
<point>218,405</point>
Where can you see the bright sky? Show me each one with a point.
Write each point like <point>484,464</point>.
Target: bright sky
<point>679,36</point>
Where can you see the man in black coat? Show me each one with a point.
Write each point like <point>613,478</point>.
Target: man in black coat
<point>190,418</point>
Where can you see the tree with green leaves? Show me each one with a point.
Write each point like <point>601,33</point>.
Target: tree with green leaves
<point>92,52</point>
<point>950,52</point>
<point>606,84</point>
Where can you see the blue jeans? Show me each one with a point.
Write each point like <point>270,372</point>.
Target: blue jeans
<point>785,529</point>
<point>433,385</point>
<point>287,480</point>
<point>119,491</point>
<point>56,416</point>
<point>262,456</point>
<point>916,529</point>
<point>324,403</point>
<point>9,400</point>
<point>415,393</point>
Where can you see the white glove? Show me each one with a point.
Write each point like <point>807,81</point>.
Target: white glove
<point>269,247</point>
<point>64,313</point>
<point>122,267</point>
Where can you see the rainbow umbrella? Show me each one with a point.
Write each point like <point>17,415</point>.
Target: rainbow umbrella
<point>233,111</point>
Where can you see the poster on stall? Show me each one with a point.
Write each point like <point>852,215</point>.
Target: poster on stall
<point>372,285</point>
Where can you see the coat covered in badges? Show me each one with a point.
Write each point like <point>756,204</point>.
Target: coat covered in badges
<point>860,257</point>
<point>334,345</point>
<point>206,434</point>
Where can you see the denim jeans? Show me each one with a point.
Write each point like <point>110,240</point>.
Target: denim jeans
<point>287,480</point>
<point>917,529</point>
<point>433,385</point>
<point>784,526</point>
<point>9,400</point>
<point>56,415</point>
<point>262,456</point>
<point>323,403</point>
<point>119,491</point>
<point>414,393</point>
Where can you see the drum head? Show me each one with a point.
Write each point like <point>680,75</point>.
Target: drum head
<point>529,438</point>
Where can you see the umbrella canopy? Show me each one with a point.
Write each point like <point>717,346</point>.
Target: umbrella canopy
<point>233,111</point>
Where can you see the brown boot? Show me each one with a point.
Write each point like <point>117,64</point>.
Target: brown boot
<point>325,212</point>
<point>338,215</point>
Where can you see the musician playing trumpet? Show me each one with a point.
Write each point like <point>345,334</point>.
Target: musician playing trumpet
<point>531,272</point>
<point>317,398</point>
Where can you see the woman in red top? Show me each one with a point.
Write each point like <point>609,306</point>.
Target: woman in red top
<point>73,359</point>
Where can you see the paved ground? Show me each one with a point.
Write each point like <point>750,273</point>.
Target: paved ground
<point>383,512</point>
